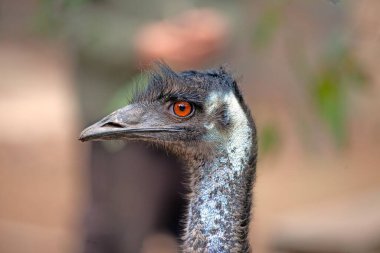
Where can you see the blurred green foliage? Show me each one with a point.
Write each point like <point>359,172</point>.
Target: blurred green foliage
<point>268,24</point>
<point>336,72</point>
<point>328,81</point>
<point>269,139</point>
<point>49,16</point>
<point>45,21</point>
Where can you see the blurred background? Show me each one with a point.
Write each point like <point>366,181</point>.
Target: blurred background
<point>308,70</point>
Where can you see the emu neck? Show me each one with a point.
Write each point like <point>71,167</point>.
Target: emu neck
<point>219,205</point>
<point>220,199</point>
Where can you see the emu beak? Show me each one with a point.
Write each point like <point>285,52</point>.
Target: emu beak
<point>130,122</point>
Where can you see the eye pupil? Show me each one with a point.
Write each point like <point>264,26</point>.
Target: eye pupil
<point>182,107</point>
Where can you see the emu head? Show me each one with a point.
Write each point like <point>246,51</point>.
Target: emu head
<point>190,110</point>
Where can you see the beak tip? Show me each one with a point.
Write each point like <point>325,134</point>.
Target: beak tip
<point>83,137</point>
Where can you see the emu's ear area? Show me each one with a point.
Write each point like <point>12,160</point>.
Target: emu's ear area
<point>130,122</point>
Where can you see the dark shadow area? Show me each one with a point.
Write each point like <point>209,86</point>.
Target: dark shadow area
<point>135,192</point>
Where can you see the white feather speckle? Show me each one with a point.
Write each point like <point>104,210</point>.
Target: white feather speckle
<point>240,140</point>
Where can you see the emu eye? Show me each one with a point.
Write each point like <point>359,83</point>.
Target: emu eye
<point>182,108</point>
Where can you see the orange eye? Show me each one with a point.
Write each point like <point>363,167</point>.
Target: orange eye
<point>182,108</point>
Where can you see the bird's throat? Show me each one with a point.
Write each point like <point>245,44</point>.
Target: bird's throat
<point>219,206</point>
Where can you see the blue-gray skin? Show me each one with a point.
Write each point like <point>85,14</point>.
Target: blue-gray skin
<point>217,143</point>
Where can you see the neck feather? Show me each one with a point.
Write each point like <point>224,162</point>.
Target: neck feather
<point>220,199</point>
<point>219,208</point>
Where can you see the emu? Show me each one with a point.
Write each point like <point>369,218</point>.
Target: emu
<point>202,119</point>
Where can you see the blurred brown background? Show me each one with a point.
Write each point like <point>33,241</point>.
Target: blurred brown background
<point>308,69</point>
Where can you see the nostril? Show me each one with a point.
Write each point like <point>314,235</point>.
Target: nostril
<point>113,124</point>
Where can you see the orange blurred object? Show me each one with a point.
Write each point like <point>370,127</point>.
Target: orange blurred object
<point>185,41</point>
